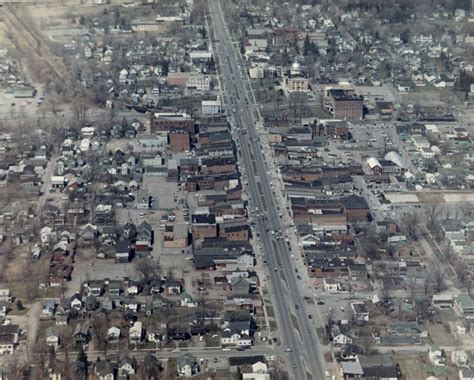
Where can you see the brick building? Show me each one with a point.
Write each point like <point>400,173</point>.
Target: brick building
<point>356,208</point>
<point>171,121</point>
<point>235,232</point>
<point>180,141</point>
<point>345,104</point>
<point>204,226</point>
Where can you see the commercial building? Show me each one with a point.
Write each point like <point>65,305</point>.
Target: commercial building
<point>345,104</point>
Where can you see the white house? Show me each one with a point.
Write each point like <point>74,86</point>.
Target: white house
<point>259,372</point>
<point>52,338</point>
<point>113,334</point>
<point>341,339</point>
<point>127,366</point>
<point>331,285</point>
<point>459,358</point>
<point>132,289</point>
<point>76,301</point>
<point>437,356</point>
<point>135,332</point>
<point>5,295</point>
<point>45,234</point>
<point>186,365</point>
<point>229,338</point>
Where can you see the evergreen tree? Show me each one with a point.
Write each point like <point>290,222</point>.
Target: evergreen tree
<point>306,46</point>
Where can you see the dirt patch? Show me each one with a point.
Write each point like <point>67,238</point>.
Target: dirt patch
<point>413,367</point>
<point>441,335</point>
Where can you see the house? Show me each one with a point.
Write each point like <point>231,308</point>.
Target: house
<point>136,333</point>
<point>145,232</point>
<point>179,333</point>
<point>186,365</point>
<point>46,235</point>
<point>95,288</point>
<point>81,334</point>
<point>127,366</point>
<point>341,339</point>
<point>351,352</point>
<point>130,316</point>
<point>130,304</point>
<point>62,318</point>
<point>351,370</point>
<point>465,305</point>
<point>360,311</point>
<point>47,311</point>
<point>7,344</point>
<point>174,286</point>
<point>240,286</point>
<point>459,358</point>
<point>259,372</point>
<point>113,334</point>
<point>9,337</point>
<point>122,251</point>
<point>237,334</point>
<point>115,289</point>
<point>357,272</point>
<point>5,295</point>
<point>76,301</point>
<point>442,301</point>
<point>52,337</point>
<point>466,374</point>
<point>187,301</point>
<point>91,303</point>
<point>104,370</point>
<point>331,285</point>
<point>437,356</point>
<point>133,288</point>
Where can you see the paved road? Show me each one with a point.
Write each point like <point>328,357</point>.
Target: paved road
<point>198,352</point>
<point>297,333</point>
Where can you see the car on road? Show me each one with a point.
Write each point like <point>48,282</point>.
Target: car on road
<point>297,307</point>
<point>288,349</point>
<point>176,350</point>
<point>227,349</point>
<point>275,269</point>
<point>321,302</point>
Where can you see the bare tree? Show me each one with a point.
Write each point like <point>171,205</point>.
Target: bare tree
<point>386,295</point>
<point>448,253</point>
<point>462,271</point>
<point>16,369</point>
<point>41,353</point>
<point>410,224</point>
<point>432,216</point>
<point>99,326</point>
<point>436,274</point>
<point>412,288</point>
<point>151,368</point>
<point>80,108</point>
<point>148,269</point>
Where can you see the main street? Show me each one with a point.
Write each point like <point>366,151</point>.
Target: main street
<point>297,333</point>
